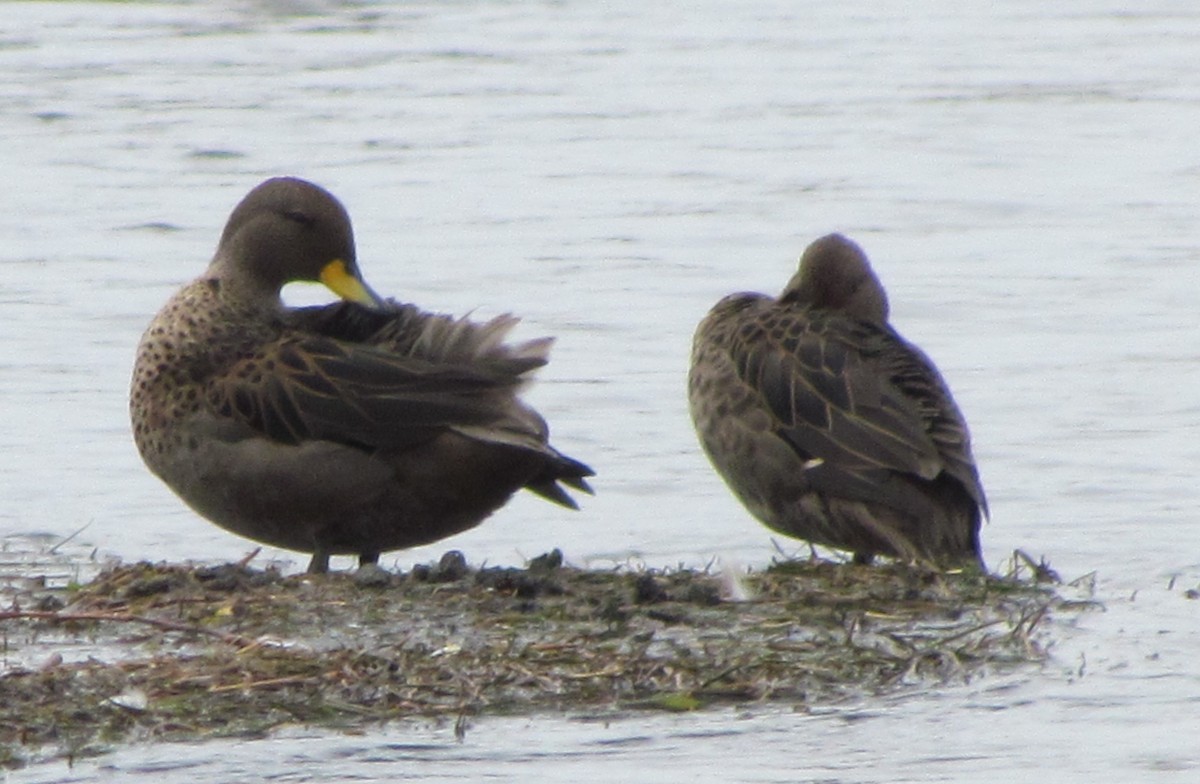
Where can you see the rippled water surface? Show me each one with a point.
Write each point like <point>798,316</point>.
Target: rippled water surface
<point>1025,176</point>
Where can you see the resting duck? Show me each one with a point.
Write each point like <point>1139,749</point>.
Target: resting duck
<point>356,428</point>
<point>828,425</point>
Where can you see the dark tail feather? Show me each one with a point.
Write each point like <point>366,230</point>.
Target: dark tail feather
<point>566,470</point>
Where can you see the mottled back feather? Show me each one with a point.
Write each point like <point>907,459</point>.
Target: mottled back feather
<point>867,416</point>
<point>354,428</point>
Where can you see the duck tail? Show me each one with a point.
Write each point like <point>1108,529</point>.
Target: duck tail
<point>568,471</point>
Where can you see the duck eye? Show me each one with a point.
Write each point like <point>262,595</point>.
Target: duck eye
<point>303,218</point>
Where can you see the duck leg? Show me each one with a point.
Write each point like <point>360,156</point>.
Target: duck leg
<point>320,561</point>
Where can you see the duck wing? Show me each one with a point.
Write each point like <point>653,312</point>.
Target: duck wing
<point>912,372</point>
<point>440,372</point>
<point>409,331</point>
<point>840,393</point>
<point>302,387</point>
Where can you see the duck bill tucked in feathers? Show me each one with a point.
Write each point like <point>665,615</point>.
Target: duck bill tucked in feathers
<point>828,425</point>
<point>356,428</point>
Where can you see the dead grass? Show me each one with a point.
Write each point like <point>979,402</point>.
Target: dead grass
<point>196,652</point>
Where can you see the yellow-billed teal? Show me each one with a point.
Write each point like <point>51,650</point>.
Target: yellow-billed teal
<point>828,425</point>
<point>356,428</point>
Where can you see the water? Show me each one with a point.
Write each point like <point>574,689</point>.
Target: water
<point>1023,175</point>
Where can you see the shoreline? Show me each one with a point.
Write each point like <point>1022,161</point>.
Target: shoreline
<point>174,652</point>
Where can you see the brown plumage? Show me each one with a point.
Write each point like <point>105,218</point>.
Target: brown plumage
<point>828,425</point>
<point>355,428</point>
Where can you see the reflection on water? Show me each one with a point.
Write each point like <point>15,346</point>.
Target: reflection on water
<point>1023,176</point>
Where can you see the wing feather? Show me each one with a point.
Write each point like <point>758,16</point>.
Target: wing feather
<point>819,376</point>
<point>362,395</point>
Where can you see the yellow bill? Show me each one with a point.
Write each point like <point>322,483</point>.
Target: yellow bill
<point>344,282</point>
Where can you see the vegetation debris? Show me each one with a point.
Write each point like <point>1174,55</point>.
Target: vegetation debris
<point>160,651</point>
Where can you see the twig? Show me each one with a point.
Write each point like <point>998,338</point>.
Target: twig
<point>941,641</point>
<point>171,626</point>
<point>61,542</point>
<point>608,671</point>
<point>282,681</point>
<point>250,556</point>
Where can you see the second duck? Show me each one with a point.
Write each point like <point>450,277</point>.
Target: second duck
<point>831,427</point>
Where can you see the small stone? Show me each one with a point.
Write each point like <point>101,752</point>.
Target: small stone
<point>451,568</point>
<point>648,590</point>
<point>150,586</point>
<point>372,576</point>
<point>547,562</point>
<point>703,594</point>
<point>48,603</point>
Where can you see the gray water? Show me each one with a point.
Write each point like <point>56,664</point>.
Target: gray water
<point>1025,176</point>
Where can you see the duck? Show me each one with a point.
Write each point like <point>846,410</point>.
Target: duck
<point>829,426</point>
<point>355,428</point>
